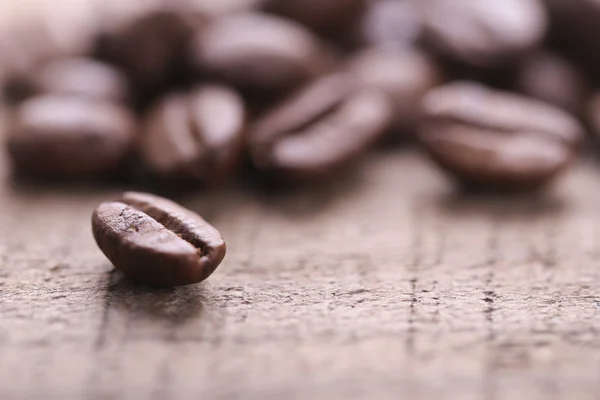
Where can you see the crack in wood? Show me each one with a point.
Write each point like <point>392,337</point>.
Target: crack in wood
<point>104,323</point>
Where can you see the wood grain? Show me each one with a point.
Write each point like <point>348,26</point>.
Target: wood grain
<point>385,284</point>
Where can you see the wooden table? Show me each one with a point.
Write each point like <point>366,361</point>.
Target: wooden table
<point>385,284</point>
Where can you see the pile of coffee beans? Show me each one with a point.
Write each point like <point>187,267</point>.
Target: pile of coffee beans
<point>187,94</point>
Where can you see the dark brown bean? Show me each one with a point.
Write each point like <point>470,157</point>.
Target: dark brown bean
<point>553,79</point>
<point>391,24</point>
<point>258,52</point>
<point>82,77</point>
<point>29,46</point>
<point>68,136</point>
<point>195,137</point>
<point>497,140</point>
<point>155,241</point>
<point>320,129</point>
<point>483,33</point>
<point>151,49</point>
<point>405,75</point>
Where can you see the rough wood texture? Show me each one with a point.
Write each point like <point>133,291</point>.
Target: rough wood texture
<point>384,285</point>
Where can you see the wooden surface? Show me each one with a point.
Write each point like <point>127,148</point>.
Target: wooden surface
<point>384,285</point>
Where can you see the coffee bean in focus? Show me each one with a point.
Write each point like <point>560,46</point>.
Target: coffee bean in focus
<point>155,241</point>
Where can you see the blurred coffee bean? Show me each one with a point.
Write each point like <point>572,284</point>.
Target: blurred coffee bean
<point>194,137</point>
<point>392,24</point>
<point>61,136</point>
<point>553,79</point>
<point>258,52</point>
<point>218,8</point>
<point>497,140</point>
<point>405,75</point>
<point>83,77</point>
<point>26,47</point>
<point>331,17</point>
<point>320,129</point>
<point>43,30</point>
<point>483,33</point>
<point>151,49</point>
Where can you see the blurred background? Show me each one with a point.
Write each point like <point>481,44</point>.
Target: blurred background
<point>272,60</point>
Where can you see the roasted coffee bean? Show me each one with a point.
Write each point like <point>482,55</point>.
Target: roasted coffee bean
<point>405,75</point>
<point>82,77</point>
<point>391,24</point>
<point>29,46</point>
<point>327,17</point>
<point>68,136</point>
<point>151,49</point>
<point>157,242</point>
<point>491,139</point>
<point>483,33</point>
<point>553,79</point>
<point>320,129</point>
<point>195,137</point>
<point>218,8</point>
<point>258,52</point>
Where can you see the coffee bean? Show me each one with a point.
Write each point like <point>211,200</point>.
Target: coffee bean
<point>81,77</point>
<point>320,129</point>
<point>68,136</point>
<point>405,75</point>
<point>155,241</point>
<point>195,137</point>
<point>151,49</point>
<point>497,140</point>
<point>218,8</point>
<point>257,52</point>
<point>483,33</point>
<point>25,50</point>
<point>553,79</point>
<point>327,17</point>
<point>391,24</point>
